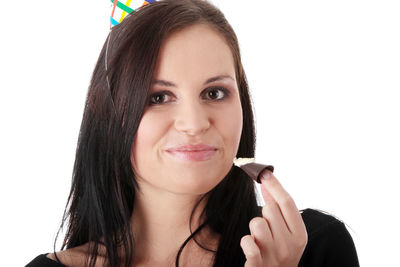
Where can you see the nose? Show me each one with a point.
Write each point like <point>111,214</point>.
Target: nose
<point>192,118</point>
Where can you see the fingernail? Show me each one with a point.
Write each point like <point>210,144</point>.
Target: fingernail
<point>254,170</point>
<point>266,174</point>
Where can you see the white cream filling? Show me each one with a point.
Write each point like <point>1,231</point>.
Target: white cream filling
<point>242,161</point>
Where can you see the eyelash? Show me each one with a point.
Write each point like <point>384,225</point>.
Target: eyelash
<point>225,92</point>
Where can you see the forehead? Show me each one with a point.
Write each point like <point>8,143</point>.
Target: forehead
<point>197,51</point>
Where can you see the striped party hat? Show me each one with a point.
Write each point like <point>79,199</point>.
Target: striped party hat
<point>120,9</point>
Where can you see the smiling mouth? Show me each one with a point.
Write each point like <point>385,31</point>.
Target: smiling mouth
<point>187,154</point>
<point>193,155</point>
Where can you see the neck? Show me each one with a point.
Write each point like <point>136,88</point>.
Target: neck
<point>160,223</point>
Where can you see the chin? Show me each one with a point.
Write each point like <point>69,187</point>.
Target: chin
<point>196,183</point>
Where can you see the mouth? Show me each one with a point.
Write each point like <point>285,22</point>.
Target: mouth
<point>200,152</point>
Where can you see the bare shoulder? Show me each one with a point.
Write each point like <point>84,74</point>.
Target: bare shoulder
<point>71,257</point>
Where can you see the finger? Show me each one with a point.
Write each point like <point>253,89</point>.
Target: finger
<point>266,195</point>
<point>251,251</point>
<point>286,204</point>
<point>272,213</point>
<point>261,232</point>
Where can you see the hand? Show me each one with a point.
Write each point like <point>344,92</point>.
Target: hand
<point>279,237</point>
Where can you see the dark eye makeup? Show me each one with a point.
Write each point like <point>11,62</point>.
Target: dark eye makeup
<point>160,97</point>
<point>215,93</point>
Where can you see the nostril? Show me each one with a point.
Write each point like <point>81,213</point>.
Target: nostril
<point>192,123</point>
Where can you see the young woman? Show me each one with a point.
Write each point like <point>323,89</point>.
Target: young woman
<point>167,111</point>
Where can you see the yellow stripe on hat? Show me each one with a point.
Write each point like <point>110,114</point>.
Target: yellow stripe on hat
<point>124,12</point>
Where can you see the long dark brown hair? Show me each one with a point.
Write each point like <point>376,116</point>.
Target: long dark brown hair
<point>103,188</point>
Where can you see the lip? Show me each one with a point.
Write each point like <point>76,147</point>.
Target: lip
<point>193,152</point>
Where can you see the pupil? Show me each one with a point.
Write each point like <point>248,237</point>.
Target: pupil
<point>212,94</point>
<point>159,98</point>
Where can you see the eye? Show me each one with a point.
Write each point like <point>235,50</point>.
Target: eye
<point>216,93</point>
<point>159,98</point>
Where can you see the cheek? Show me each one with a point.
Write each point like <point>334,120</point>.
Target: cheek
<point>231,124</point>
<point>150,131</point>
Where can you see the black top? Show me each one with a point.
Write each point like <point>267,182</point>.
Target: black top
<point>329,244</point>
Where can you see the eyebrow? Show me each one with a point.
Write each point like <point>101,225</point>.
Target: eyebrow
<point>210,80</point>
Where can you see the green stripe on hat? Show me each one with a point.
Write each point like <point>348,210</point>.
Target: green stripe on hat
<point>122,6</point>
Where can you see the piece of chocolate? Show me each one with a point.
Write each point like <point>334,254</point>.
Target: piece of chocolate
<point>254,170</point>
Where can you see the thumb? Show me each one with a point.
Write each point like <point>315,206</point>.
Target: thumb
<point>251,251</point>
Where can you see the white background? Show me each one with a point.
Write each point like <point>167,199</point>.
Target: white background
<point>324,78</point>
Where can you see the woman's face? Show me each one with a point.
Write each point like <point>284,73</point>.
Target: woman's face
<point>190,131</point>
